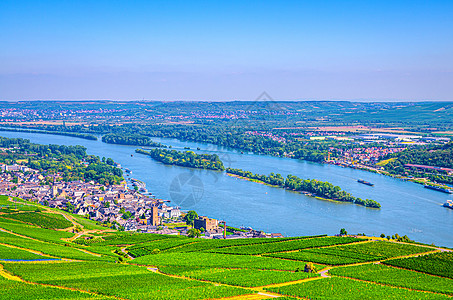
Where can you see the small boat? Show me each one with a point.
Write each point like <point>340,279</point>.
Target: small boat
<point>439,189</point>
<point>365,182</point>
<point>449,204</point>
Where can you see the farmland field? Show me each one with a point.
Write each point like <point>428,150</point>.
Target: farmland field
<point>87,224</point>
<point>7,206</point>
<point>317,257</point>
<point>436,264</point>
<point>124,281</point>
<point>204,245</point>
<point>48,248</point>
<point>342,288</point>
<point>35,232</point>
<point>134,238</point>
<point>239,277</point>
<point>397,277</point>
<point>16,254</point>
<point>287,245</point>
<point>45,220</point>
<point>15,290</point>
<point>214,260</point>
<point>190,268</point>
<point>353,253</point>
<point>161,245</point>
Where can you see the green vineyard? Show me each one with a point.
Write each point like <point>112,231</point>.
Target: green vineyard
<point>42,256</point>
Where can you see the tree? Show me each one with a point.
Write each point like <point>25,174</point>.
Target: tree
<point>127,215</point>
<point>70,207</point>
<point>382,235</point>
<point>309,268</point>
<point>190,216</point>
<point>343,231</point>
<point>193,233</point>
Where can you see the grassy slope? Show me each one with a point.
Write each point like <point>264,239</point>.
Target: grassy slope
<point>194,258</point>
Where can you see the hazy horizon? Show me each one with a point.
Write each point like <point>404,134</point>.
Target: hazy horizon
<point>388,51</point>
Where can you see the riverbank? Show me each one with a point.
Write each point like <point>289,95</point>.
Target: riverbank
<point>306,193</point>
<point>258,206</point>
<point>131,139</point>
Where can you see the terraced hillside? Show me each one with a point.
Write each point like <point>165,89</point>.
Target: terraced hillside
<point>51,254</point>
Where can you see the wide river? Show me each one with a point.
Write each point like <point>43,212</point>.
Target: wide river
<point>407,208</point>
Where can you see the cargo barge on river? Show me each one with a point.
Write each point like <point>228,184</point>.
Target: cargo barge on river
<point>439,189</point>
<point>365,182</point>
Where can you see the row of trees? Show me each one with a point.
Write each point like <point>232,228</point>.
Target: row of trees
<point>71,162</point>
<point>130,139</point>
<point>439,156</point>
<point>185,159</point>
<point>23,146</point>
<point>86,136</point>
<point>316,187</point>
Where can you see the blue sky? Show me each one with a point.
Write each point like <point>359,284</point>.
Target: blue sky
<point>226,50</point>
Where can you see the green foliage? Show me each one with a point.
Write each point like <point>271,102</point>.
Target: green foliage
<point>210,244</point>
<point>190,217</point>
<point>73,134</point>
<point>342,288</point>
<point>353,253</point>
<point>214,260</point>
<point>44,220</point>
<point>315,255</point>
<point>160,244</point>
<point>131,238</point>
<point>439,264</point>
<point>282,246</point>
<point>49,248</point>
<point>397,277</point>
<point>16,290</point>
<point>120,280</point>
<point>185,159</point>
<point>71,162</point>
<point>130,139</point>
<point>87,223</point>
<point>42,234</point>
<point>17,254</point>
<point>238,277</point>
<point>318,188</point>
<point>438,156</point>
<point>193,233</point>
<point>18,205</point>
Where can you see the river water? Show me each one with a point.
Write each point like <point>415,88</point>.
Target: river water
<point>407,208</point>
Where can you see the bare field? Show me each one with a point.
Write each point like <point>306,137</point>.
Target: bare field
<point>357,129</point>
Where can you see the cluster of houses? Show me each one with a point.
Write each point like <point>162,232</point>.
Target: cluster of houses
<point>115,204</point>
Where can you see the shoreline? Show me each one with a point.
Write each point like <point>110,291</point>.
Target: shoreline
<point>308,194</point>
<point>362,168</point>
